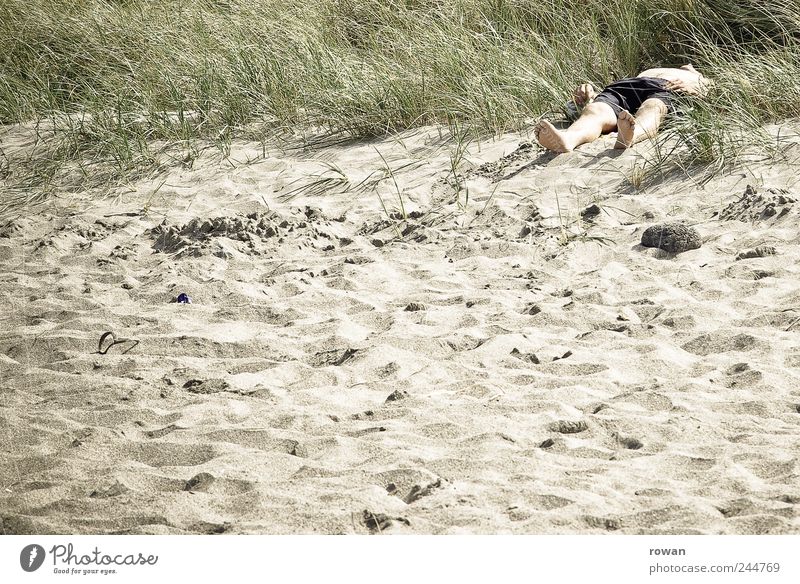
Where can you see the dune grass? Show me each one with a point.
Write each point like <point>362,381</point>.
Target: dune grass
<point>119,81</point>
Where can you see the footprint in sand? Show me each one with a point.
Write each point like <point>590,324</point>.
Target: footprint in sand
<point>397,395</point>
<point>628,442</point>
<point>206,386</point>
<point>207,528</point>
<point>200,482</point>
<point>759,205</point>
<point>722,342</point>
<point>114,490</point>
<point>568,427</point>
<point>258,439</point>
<point>161,432</point>
<point>333,357</point>
<point>408,484</point>
<point>380,522</point>
<point>743,506</point>
<point>169,454</point>
<point>526,357</point>
<point>606,523</point>
<point>740,375</point>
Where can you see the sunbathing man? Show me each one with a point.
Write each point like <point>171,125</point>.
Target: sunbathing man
<point>634,107</point>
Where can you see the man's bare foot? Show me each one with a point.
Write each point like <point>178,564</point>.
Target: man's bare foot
<point>626,126</point>
<point>552,139</point>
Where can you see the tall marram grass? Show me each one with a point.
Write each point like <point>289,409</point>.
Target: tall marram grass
<point>114,77</point>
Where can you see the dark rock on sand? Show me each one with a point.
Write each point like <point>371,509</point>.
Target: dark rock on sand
<point>671,237</point>
<point>590,212</point>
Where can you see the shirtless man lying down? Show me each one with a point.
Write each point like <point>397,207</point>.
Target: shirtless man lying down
<point>634,107</point>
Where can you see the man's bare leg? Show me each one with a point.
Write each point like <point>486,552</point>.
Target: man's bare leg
<point>631,130</point>
<point>596,118</point>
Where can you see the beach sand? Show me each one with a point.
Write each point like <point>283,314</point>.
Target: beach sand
<point>498,354</point>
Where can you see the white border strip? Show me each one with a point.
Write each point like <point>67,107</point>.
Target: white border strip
<point>405,559</point>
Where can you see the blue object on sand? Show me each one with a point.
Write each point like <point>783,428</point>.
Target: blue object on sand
<point>183,299</point>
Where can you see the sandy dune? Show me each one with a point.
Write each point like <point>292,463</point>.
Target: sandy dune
<point>512,361</point>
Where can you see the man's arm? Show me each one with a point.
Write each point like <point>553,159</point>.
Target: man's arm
<point>700,87</point>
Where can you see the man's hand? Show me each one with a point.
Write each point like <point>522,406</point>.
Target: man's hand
<point>682,86</point>
<point>584,94</point>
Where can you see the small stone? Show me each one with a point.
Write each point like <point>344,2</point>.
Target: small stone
<point>671,237</point>
<point>415,307</point>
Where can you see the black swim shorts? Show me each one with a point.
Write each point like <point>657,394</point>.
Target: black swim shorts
<point>629,94</point>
